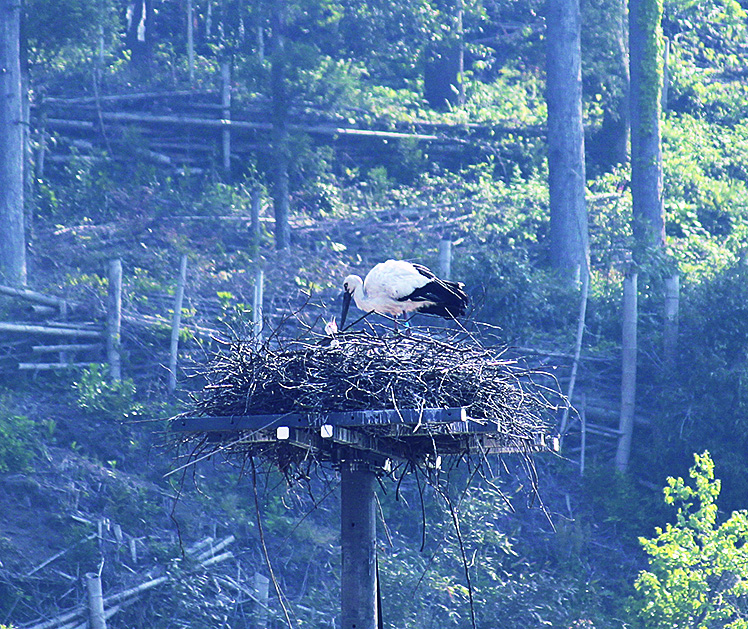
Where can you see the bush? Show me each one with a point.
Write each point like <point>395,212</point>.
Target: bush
<point>18,440</point>
<point>113,399</point>
<point>698,573</point>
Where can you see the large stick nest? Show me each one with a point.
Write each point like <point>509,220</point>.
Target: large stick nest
<point>368,371</point>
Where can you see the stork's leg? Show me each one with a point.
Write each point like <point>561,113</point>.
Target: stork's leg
<point>405,323</point>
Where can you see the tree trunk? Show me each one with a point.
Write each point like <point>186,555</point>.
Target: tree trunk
<point>566,168</point>
<point>444,66</point>
<point>628,377</point>
<point>441,77</point>
<point>645,62</point>
<point>96,615</point>
<point>280,140</point>
<point>12,234</point>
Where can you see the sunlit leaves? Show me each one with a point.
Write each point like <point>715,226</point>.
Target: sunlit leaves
<point>698,573</point>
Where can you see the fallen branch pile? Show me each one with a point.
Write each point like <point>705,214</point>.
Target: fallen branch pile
<point>204,554</point>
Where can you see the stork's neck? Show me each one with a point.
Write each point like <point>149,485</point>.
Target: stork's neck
<point>361,299</point>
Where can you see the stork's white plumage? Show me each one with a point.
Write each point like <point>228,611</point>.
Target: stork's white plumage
<point>397,287</point>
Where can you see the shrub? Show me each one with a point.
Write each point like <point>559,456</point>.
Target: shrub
<point>698,573</point>
<point>18,440</point>
<point>113,399</point>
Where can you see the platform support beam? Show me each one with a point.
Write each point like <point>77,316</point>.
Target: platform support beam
<point>358,535</point>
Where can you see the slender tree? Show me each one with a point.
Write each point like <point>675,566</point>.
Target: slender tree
<point>280,137</point>
<point>628,369</point>
<point>645,62</point>
<point>12,236</point>
<point>566,169</point>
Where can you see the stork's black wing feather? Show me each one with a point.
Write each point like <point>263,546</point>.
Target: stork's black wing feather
<point>448,299</point>
<point>425,271</point>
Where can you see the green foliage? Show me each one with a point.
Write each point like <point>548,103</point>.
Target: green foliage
<point>132,506</point>
<point>235,315</point>
<point>95,395</point>
<point>706,174</point>
<point>706,39</point>
<point>430,589</point>
<point>78,192</point>
<point>334,84</point>
<point>19,440</point>
<point>519,296</point>
<point>604,68</point>
<point>62,30</point>
<point>96,284</point>
<point>698,573</point>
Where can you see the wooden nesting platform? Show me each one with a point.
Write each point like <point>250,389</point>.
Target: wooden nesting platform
<point>423,435</point>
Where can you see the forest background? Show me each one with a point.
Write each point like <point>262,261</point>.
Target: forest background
<point>452,99</point>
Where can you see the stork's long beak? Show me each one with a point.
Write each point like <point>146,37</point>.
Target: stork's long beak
<point>346,305</point>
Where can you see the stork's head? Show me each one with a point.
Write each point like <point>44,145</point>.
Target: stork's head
<point>350,285</point>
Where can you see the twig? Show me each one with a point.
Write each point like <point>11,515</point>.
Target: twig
<point>456,523</point>
<point>264,546</point>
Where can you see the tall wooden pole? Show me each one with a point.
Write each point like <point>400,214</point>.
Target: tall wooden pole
<point>175,323</point>
<point>114,319</point>
<point>261,587</point>
<point>583,421</point>
<point>581,322</point>
<point>672,303</point>
<point>226,103</point>
<point>254,228</point>
<point>628,377</point>
<point>445,258</point>
<point>358,533</point>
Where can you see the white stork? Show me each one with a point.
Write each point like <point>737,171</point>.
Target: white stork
<point>397,287</point>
